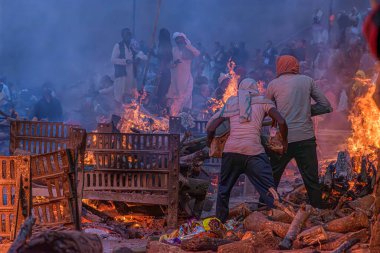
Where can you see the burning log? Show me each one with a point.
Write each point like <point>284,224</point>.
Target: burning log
<point>334,243</point>
<point>205,243</point>
<point>311,236</point>
<point>295,227</point>
<point>350,223</point>
<point>257,221</point>
<point>61,242</point>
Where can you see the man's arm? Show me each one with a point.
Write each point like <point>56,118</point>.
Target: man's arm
<point>212,125</point>
<point>115,56</point>
<point>322,105</point>
<point>276,116</point>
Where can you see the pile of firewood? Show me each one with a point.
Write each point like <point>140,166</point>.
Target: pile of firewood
<point>289,227</point>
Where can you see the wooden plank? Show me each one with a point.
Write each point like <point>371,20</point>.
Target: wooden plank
<point>126,197</point>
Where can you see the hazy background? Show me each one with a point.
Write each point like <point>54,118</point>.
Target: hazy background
<point>65,41</point>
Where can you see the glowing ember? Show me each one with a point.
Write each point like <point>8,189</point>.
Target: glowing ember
<point>89,158</point>
<point>231,89</point>
<point>135,117</point>
<point>364,117</point>
<point>260,86</point>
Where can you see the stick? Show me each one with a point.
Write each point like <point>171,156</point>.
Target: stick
<point>346,245</point>
<point>295,227</point>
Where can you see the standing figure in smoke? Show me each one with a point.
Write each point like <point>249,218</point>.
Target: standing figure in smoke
<point>124,57</point>
<point>181,86</point>
<point>165,57</point>
<point>292,93</point>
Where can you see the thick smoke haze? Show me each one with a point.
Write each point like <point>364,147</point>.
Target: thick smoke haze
<point>65,41</point>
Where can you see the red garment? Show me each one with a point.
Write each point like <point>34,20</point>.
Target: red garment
<point>371,28</point>
<point>287,64</point>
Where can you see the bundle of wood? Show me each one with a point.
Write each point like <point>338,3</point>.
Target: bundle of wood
<point>301,229</point>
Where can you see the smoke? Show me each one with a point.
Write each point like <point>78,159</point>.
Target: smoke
<point>65,41</point>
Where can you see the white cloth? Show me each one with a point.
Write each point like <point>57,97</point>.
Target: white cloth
<point>245,138</point>
<point>181,86</point>
<point>125,85</point>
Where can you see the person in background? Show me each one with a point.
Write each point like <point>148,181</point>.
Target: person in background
<point>371,30</point>
<point>165,58</point>
<point>292,93</point>
<point>243,55</point>
<point>243,151</point>
<point>200,100</point>
<point>219,62</point>
<point>5,95</point>
<point>124,57</point>
<point>48,108</point>
<point>270,54</point>
<point>181,86</point>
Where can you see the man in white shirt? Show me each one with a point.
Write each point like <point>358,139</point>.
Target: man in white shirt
<point>243,151</point>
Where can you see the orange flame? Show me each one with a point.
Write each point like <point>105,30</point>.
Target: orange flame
<point>135,117</point>
<point>231,89</point>
<point>365,120</point>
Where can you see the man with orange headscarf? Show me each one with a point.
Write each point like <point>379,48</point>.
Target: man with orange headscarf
<point>292,93</point>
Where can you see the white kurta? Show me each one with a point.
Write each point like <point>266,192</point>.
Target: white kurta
<point>125,85</point>
<point>181,86</point>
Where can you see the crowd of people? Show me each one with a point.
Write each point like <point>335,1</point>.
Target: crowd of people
<point>178,75</point>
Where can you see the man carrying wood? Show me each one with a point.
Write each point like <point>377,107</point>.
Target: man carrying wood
<point>243,151</point>
<point>292,93</point>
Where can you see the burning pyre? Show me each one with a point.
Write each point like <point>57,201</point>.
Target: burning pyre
<point>136,117</point>
<point>231,90</point>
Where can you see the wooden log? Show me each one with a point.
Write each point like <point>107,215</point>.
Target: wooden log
<point>307,250</point>
<point>295,227</point>
<point>363,203</point>
<point>279,215</point>
<point>350,223</point>
<point>333,243</point>
<point>375,237</point>
<point>241,210</point>
<point>346,245</point>
<point>25,230</point>
<point>199,155</point>
<point>204,243</point>
<point>68,241</point>
<point>257,221</point>
<point>258,242</point>
<point>311,236</point>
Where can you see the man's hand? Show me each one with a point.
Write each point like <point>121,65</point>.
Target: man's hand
<point>128,62</point>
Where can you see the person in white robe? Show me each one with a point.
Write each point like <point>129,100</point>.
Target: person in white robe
<point>181,87</point>
<point>124,55</point>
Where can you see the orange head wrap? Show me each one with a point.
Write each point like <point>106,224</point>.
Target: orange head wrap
<point>287,64</point>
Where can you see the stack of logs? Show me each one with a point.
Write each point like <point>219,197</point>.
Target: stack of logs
<point>290,227</point>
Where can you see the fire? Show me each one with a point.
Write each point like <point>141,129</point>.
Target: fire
<point>89,158</point>
<point>135,117</point>
<point>261,88</point>
<point>231,89</point>
<point>365,120</point>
